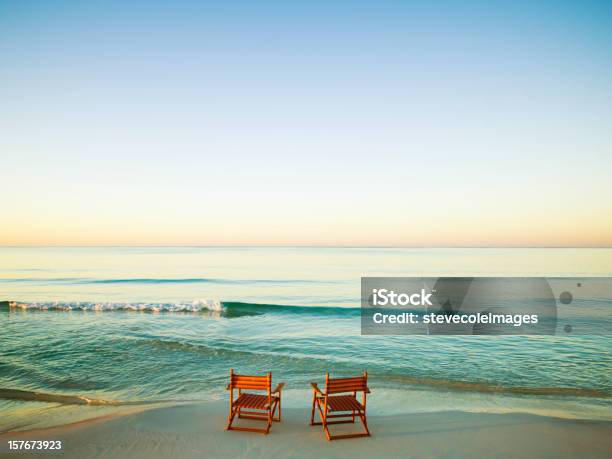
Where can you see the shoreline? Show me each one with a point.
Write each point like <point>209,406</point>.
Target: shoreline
<point>197,430</point>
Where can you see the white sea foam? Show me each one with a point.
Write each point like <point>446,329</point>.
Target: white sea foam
<point>193,306</point>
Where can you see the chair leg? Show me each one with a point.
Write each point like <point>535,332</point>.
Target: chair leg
<point>275,405</point>
<point>314,401</point>
<point>230,419</point>
<point>237,412</point>
<point>326,423</point>
<point>365,423</point>
<point>326,428</point>
<point>270,415</point>
<point>323,420</point>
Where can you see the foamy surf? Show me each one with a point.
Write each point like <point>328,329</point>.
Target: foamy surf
<point>193,306</point>
<point>63,399</point>
<point>33,396</point>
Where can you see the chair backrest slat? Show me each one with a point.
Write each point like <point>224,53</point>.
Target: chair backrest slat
<point>252,382</point>
<point>338,385</point>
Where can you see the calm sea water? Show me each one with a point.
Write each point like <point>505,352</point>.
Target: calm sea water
<point>101,329</point>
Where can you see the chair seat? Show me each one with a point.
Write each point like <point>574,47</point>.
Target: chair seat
<point>343,403</point>
<point>253,401</point>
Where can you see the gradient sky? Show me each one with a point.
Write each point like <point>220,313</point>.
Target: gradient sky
<point>317,123</point>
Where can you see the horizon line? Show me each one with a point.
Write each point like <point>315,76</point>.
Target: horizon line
<point>321,246</point>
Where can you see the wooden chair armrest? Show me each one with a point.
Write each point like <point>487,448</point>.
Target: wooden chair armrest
<point>228,387</point>
<point>316,388</point>
<point>278,389</point>
<point>366,390</point>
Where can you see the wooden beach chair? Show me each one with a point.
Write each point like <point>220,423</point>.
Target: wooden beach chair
<point>260,406</point>
<point>340,401</point>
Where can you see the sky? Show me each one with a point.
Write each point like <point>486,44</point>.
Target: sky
<point>379,123</point>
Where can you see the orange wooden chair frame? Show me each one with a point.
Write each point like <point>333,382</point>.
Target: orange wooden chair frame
<point>253,405</point>
<point>340,401</point>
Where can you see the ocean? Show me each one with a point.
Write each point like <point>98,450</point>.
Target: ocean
<point>96,330</point>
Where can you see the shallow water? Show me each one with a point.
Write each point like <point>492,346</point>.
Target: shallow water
<point>90,331</point>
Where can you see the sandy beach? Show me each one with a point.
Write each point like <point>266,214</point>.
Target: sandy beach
<point>197,430</point>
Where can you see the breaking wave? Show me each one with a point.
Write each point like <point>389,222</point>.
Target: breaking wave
<point>193,306</point>
<point>226,308</point>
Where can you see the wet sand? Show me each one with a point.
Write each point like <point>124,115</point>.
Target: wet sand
<point>197,430</point>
